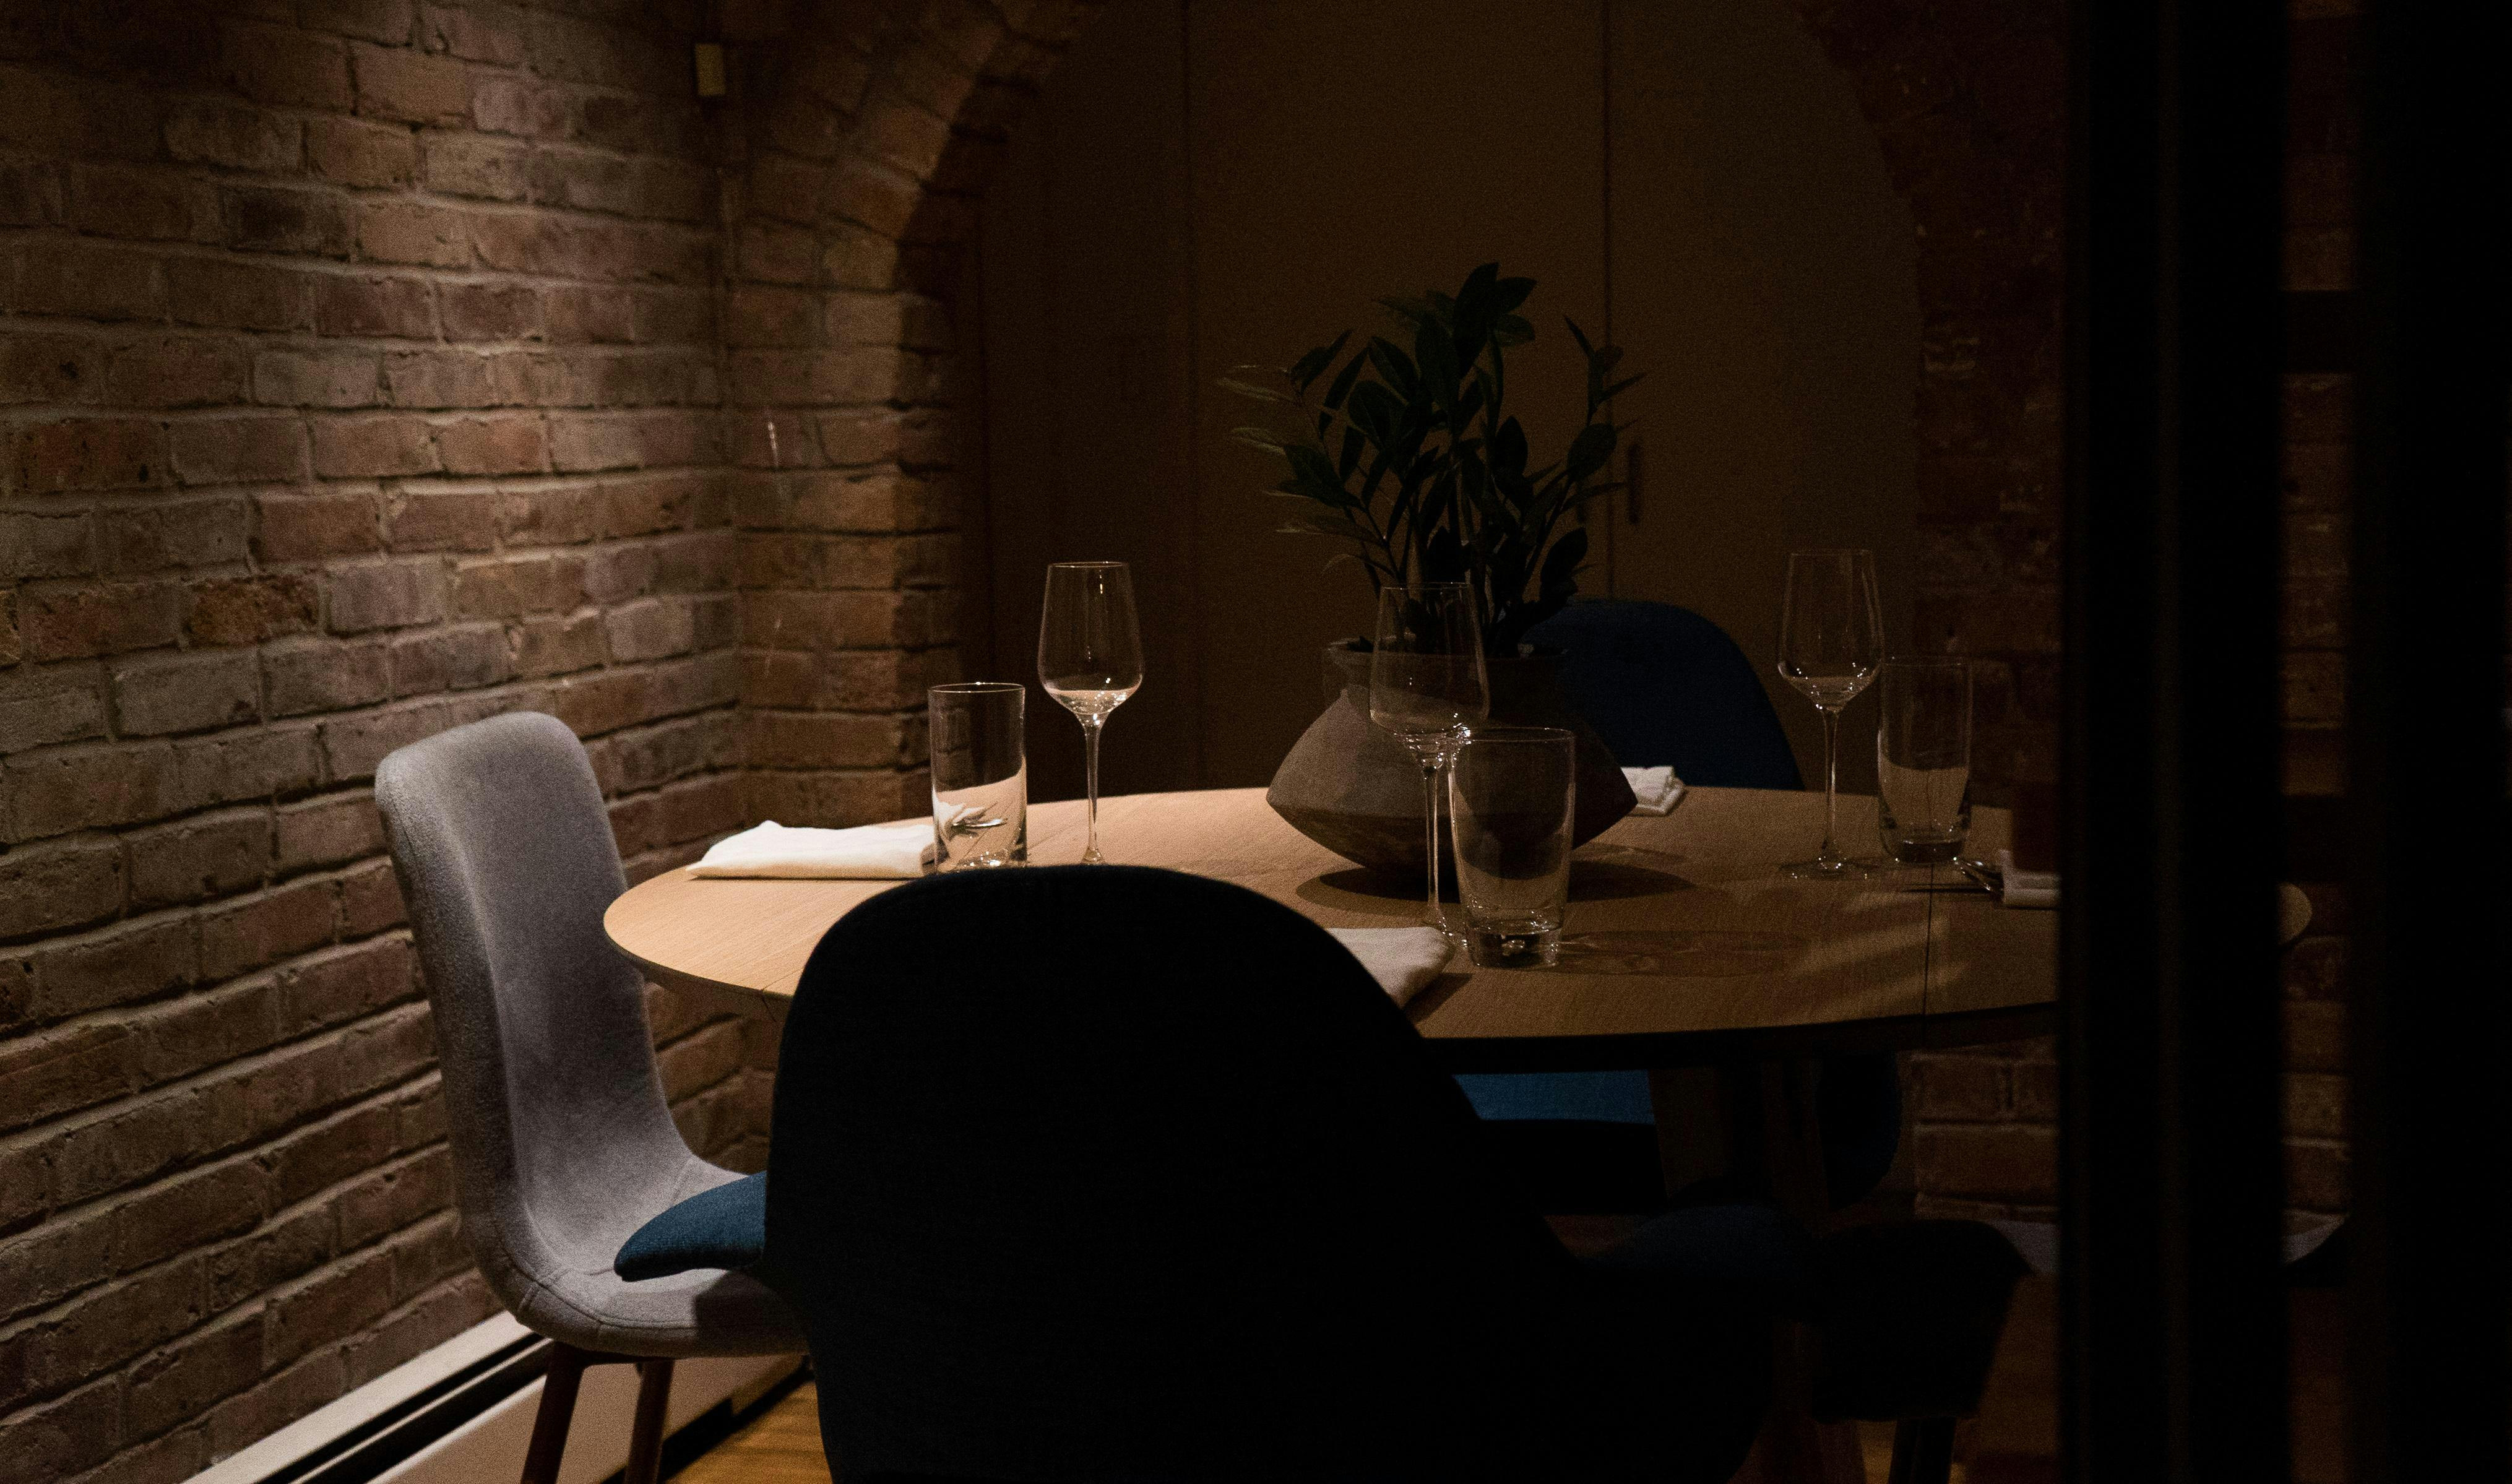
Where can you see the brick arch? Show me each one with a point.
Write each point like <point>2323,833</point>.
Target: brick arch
<point>863,148</point>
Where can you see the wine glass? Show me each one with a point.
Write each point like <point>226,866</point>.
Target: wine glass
<point>1427,687</point>
<point>1090,656</point>
<point>1832,641</point>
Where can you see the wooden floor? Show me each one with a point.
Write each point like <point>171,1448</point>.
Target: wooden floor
<point>782,1446</point>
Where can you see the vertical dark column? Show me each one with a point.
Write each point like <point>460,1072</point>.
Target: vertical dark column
<point>2172,1181</point>
<point>2432,1318</point>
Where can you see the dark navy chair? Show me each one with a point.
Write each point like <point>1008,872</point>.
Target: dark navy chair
<point>1664,686</point>
<point>1112,1174</point>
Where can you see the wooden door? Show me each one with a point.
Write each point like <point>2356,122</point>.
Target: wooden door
<point>1765,278</point>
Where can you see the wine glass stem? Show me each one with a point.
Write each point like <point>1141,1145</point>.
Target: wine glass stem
<point>1830,780</point>
<point>1430,839</point>
<point>1090,767</point>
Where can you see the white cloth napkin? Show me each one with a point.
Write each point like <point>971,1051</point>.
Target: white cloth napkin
<point>867,851</point>
<point>2026,888</point>
<point>1402,959</point>
<point>1657,789</point>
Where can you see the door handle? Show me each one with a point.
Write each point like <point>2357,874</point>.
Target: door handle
<point>1632,483</point>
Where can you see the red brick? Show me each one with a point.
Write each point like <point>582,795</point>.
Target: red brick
<point>390,21</point>
<point>58,703</point>
<point>52,1073</point>
<point>242,936</point>
<point>124,964</point>
<point>265,218</point>
<point>46,888</point>
<point>276,1401</point>
<point>144,204</point>
<point>229,767</point>
<point>411,86</point>
<point>488,312</point>
<point>324,378</point>
<point>42,544</point>
<point>353,152</point>
<point>439,378</point>
<point>599,315</point>
<point>244,610</point>
<point>1989,1161</point>
<point>330,831</point>
<point>412,232</point>
<point>546,647</point>
<point>57,622</point>
<point>475,36</point>
<point>240,450</point>
<point>192,692</point>
<point>509,445</point>
<point>92,453</point>
<point>480,165</point>
<point>309,677</point>
<point>177,372</point>
<point>59,1438</point>
<point>29,193</point>
<point>208,531</point>
<point>90,282</point>
<point>61,791</point>
<point>429,519</point>
<point>391,308</point>
<point>41,367</point>
<point>385,595</point>
<point>510,587</point>
<point>206,856</point>
<point>280,64</point>
<point>518,106</point>
<point>217,131</point>
<point>206,291</point>
<point>369,448</point>
<point>179,1383</point>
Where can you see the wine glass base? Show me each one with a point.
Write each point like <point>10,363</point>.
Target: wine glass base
<point>1834,870</point>
<point>1094,858</point>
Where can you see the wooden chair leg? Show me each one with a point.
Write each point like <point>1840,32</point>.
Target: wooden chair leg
<point>1923,1451</point>
<point>645,1440</point>
<point>557,1413</point>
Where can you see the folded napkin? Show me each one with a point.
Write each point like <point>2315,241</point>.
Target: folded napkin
<point>865,851</point>
<point>1657,789</point>
<point>1402,959</point>
<point>2026,888</point>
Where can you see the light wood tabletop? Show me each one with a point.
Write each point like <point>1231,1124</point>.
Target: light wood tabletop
<point>1684,945</point>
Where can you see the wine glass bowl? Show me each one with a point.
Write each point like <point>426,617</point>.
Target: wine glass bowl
<point>1831,643</point>
<point>1090,657</point>
<point>1428,687</point>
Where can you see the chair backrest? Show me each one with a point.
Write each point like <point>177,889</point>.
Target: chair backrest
<point>1108,1173</point>
<point>1663,685</point>
<point>552,1099</point>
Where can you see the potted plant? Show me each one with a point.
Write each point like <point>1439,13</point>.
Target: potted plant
<point>1408,455</point>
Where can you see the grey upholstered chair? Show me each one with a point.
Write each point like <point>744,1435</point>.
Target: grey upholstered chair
<point>562,1144</point>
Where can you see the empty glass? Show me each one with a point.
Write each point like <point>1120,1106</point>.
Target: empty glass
<point>980,775</point>
<point>1090,657</point>
<point>1510,794</point>
<point>1831,639</point>
<point>1923,758</point>
<point>1427,686</point>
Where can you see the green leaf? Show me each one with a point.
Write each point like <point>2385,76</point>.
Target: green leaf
<point>1508,447</point>
<point>1561,563</point>
<point>1252,389</point>
<point>1341,387</point>
<point>1590,450</point>
<point>1311,466</point>
<point>1511,331</point>
<point>1352,444</point>
<point>1306,369</point>
<point>1375,412</point>
<point>1394,367</point>
<point>1256,437</point>
<point>1579,335</point>
<point>1509,292</point>
<point>1475,310</point>
<point>1620,387</point>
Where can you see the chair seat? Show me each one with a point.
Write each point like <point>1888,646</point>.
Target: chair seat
<point>725,1228</point>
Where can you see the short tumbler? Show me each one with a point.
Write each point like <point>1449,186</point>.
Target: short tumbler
<point>1510,798</point>
<point>980,775</point>
<point>1923,760</point>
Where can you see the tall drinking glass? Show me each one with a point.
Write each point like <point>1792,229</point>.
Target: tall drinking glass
<point>1510,794</point>
<point>1923,758</point>
<point>1831,640</point>
<point>980,775</point>
<point>1090,656</point>
<point>1427,687</point>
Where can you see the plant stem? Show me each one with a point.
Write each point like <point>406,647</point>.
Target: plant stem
<point>1090,754</point>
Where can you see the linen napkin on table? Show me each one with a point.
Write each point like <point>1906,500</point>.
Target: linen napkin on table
<point>1657,789</point>
<point>867,851</point>
<point>1402,959</point>
<point>2026,888</point>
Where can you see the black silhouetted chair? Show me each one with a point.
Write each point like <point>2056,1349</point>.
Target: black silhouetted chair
<point>1105,1173</point>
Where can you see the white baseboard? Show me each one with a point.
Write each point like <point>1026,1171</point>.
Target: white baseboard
<point>490,1445</point>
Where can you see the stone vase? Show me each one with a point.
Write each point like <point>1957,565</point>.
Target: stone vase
<point>1356,790</point>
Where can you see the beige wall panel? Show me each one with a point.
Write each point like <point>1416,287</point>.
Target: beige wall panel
<point>1765,277</point>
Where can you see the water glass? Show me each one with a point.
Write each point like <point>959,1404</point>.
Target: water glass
<point>1923,760</point>
<point>1510,792</point>
<point>980,775</point>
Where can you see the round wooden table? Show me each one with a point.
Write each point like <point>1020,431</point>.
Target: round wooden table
<point>1684,945</point>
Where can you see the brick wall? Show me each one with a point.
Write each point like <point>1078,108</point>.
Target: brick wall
<point>359,376</point>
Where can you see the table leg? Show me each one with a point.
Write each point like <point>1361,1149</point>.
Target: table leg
<point>1756,1126</point>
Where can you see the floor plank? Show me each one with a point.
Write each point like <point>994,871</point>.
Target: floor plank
<point>779,1446</point>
